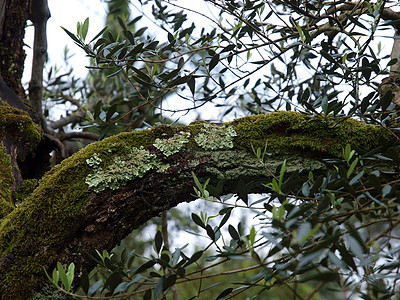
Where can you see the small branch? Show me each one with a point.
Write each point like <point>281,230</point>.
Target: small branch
<point>75,117</point>
<point>40,13</point>
<point>78,135</point>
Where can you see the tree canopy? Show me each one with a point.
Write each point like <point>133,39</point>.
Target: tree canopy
<point>316,87</point>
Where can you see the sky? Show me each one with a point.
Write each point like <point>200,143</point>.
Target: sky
<point>67,14</point>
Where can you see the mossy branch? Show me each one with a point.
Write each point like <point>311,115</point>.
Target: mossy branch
<point>95,198</point>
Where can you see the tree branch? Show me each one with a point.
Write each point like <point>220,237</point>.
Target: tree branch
<point>92,200</point>
<point>40,13</point>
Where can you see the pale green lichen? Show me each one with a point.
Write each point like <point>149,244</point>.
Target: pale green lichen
<point>94,161</point>
<point>121,169</point>
<point>213,137</point>
<point>172,145</point>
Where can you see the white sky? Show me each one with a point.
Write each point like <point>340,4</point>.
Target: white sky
<point>67,14</point>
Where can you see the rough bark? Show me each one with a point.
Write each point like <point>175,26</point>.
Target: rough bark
<point>95,198</point>
<point>13,16</point>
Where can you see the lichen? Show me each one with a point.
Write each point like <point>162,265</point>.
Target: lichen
<point>121,169</point>
<point>172,145</point>
<point>215,137</point>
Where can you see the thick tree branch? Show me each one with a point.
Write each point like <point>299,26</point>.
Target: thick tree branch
<point>95,198</point>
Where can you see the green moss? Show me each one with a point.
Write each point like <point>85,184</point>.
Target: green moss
<point>6,180</point>
<point>24,190</point>
<point>18,124</point>
<point>292,132</point>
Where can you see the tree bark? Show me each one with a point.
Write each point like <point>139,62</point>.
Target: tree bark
<point>13,16</point>
<point>95,198</point>
<point>39,15</point>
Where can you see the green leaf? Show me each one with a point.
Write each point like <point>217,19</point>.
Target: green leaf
<point>159,287</point>
<point>210,232</point>
<point>234,234</point>
<point>99,34</point>
<point>195,257</point>
<point>158,241</point>
<point>224,293</point>
<point>152,45</point>
<point>214,61</point>
<point>192,84</point>
<point>328,56</point>
<point>113,281</point>
<point>72,36</point>
<point>355,21</point>
<point>94,288</point>
<point>55,277</point>
<point>198,220</point>
<point>70,275</point>
<point>111,112</point>
<point>228,48</point>
<point>84,29</point>
<point>352,167</point>
<point>170,281</point>
<point>226,217</point>
<point>326,276</point>
<point>145,266</point>
<point>62,275</point>
<point>147,295</point>
<point>84,281</point>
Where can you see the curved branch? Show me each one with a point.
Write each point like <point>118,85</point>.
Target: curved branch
<point>95,198</point>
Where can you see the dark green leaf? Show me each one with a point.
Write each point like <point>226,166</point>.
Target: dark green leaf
<point>192,84</point>
<point>224,293</point>
<point>225,218</point>
<point>210,232</point>
<point>159,287</point>
<point>214,61</point>
<point>99,34</point>
<point>234,234</point>
<point>84,280</point>
<point>72,36</point>
<point>147,295</point>
<point>111,111</point>
<point>152,45</point>
<point>228,48</point>
<point>140,32</point>
<point>158,241</point>
<point>145,266</point>
<point>327,276</point>
<point>113,281</point>
<point>355,21</point>
<point>170,281</point>
<point>198,220</point>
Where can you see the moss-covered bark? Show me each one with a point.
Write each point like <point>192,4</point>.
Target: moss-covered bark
<point>96,197</point>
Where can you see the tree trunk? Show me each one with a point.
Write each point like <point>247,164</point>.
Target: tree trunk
<point>13,16</point>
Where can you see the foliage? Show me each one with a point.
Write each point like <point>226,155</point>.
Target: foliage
<point>329,232</point>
